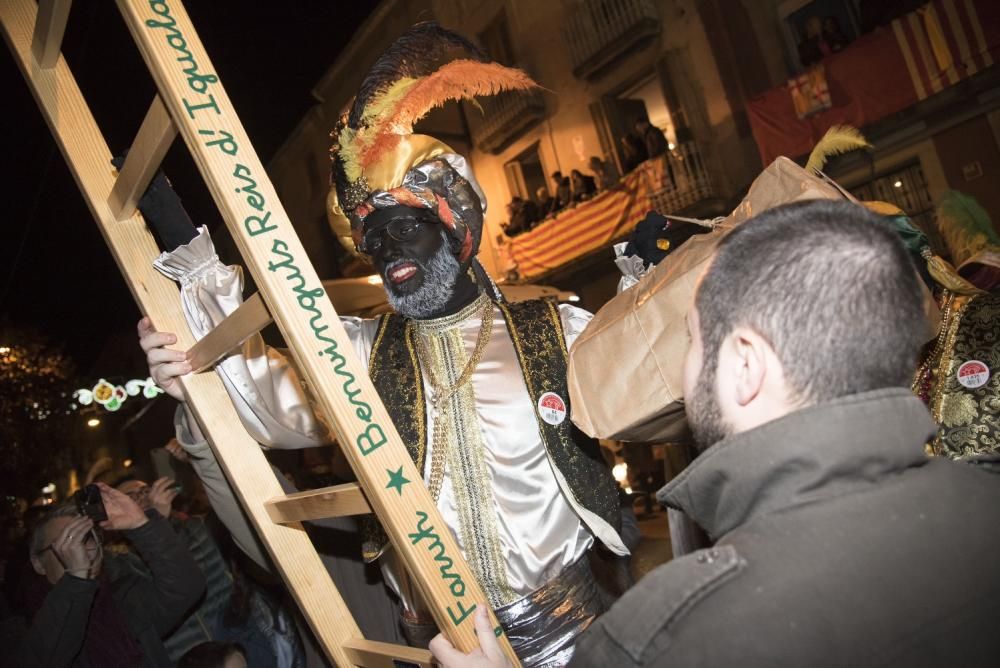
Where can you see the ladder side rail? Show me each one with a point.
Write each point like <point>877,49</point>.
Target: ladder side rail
<point>133,247</point>
<point>274,255</point>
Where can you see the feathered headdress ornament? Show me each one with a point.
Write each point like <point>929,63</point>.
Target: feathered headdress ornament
<point>838,139</point>
<point>964,226</point>
<point>377,160</point>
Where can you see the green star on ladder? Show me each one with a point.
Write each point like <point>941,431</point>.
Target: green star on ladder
<point>396,480</point>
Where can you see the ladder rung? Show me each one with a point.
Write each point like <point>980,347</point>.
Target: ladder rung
<point>156,134</point>
<point>50,26</point>
<point>317,504</point>
<point>374,654</point>
<point>251,317</point>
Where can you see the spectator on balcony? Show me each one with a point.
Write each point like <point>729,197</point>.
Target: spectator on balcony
<point>652,137</point>
<point>833,35</point>
<point>605,172</point>
<point>583,186</point>
<point>530,213</point>
<point>510,228</point>
<point>823,37</point>
<point>521,215</point>
<point>564,192</point>
<point>633,152</point>
<point>544,203</point>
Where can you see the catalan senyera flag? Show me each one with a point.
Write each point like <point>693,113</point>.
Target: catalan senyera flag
<point>882,73</point>
<point>586,227</point>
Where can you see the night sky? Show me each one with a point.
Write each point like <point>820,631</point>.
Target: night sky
<point>56,273</point>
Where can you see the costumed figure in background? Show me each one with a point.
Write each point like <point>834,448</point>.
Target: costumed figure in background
<point>959,378</point>
<point>475,386</point>
<point>957,254</point>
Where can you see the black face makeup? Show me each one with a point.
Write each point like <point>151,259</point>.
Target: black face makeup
<point>401,241</point>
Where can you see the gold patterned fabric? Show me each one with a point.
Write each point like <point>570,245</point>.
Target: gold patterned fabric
<point>543,357</point>
<point>968,417</point>
<point>515,488</point>
<point>465,457</point>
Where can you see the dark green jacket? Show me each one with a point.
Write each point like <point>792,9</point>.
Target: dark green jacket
<point>838,543</point>
<point>151,607</point>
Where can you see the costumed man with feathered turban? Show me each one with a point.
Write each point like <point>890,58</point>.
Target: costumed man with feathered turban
<point>475,386</point>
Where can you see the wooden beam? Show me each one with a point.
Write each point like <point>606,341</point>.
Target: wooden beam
<point>50,26</point>
<point>134,248</point>
<point>317,504</point>
<point>325,355</point>
<point>240,325</point>
<point>372,654</point>
<point>156,134</point>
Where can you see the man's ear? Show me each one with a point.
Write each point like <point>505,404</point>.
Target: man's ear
<point>744,353</point>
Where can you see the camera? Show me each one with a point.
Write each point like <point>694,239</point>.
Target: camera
<point>89,502</point>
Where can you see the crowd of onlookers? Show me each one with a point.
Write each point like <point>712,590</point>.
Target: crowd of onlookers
<point>646,141</point>
<point>159,582</point>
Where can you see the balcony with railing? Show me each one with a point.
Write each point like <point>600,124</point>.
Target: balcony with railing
<point>927,60</point>
<point>600,32</point>
<point>685,182</point>
<point>505,117</point>
<point>678,183</point>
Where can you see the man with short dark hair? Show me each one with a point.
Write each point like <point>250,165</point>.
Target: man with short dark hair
<point>837,541</point>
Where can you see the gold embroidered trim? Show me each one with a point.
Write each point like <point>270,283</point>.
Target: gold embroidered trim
<point>944,369</point>
<point>529,380</point>
<point>969,418</point>
<point>557,323</point>
<point>383,325</point>
<point>443,392</point>
<point>461,439</point>
<point>446,322</point>
<point>421,404</point>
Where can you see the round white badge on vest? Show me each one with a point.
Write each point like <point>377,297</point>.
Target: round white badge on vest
<point>552,408</point>
<point>973,374</point>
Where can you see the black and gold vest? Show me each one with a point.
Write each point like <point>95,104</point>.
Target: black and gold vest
<point>960,378</point>
<point>536,331</point>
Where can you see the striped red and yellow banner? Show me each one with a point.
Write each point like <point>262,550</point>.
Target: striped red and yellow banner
<point>586,227</point>
<point>884,72</point>
<point>945,41</point>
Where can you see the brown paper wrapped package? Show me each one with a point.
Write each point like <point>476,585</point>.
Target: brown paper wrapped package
<point>626,368</point>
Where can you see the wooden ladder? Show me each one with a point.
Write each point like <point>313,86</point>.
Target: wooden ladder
<point>191,101</point>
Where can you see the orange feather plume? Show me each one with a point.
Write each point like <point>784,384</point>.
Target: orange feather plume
<point>409,100</point>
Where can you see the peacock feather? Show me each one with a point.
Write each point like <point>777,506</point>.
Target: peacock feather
<point>964,225</point>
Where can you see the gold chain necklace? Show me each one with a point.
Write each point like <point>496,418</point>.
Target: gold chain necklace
<point>442,394</point>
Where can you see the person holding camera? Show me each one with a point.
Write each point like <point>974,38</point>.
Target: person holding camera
<point>83,617</point>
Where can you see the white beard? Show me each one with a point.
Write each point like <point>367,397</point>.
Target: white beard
<point>440,275</point>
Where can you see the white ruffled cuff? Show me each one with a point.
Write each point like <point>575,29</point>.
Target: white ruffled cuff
<point>191,261</point>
